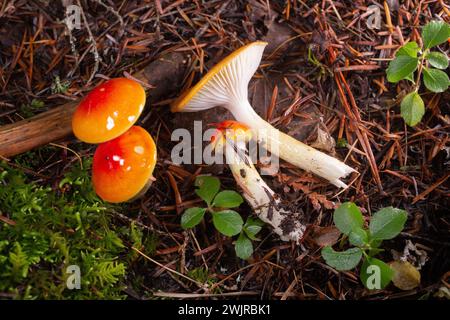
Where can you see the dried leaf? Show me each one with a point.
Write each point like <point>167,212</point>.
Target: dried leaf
<point>411,254</point>
<point>325,236</point>
<point>324,141</point>
<point>319,200</point>
<point>443,292</point>
<point>406,276</point>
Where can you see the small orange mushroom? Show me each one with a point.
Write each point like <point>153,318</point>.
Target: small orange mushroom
<point>108,110</point>
<point>122,168</point>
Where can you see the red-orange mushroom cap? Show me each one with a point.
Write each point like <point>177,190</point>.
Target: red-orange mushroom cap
<point>122,168</point>
<point>108,110</point>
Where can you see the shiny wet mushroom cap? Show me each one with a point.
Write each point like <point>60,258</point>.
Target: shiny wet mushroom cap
<point>108,110</point>
<point>122,168</point>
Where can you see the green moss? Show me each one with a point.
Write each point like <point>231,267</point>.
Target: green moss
<point>54,228</point>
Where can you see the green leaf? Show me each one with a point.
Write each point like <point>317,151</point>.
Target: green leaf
<point>374,243</point>
<point>348,217</point>
<point>192,217</point>
<point>387,223</point>
<point>401,67</point>
<point>410,49</point>
<point>252,226</point>
<point>437,60</point>
<point>435,80</point>
<point>410,77</point>
<point>358,237</point>
<point>435,33</point>
<point>375,274</point>
<point>207,188</point>
<point>243,247</point>
<point>228,199</point>
<point>344,260</point>
<point>412,108</point>
<point>228,222</point>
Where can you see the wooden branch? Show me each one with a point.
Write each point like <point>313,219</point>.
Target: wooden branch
<point>163,74</point>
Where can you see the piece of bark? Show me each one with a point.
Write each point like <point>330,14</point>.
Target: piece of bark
<point>164,74</point>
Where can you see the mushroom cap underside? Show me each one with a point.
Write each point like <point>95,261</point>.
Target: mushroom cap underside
<point>226,81</point>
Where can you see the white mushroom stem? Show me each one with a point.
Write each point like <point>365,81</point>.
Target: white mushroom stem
<point>227,85</point>
<point>265,203</point>
<point>288,148</point>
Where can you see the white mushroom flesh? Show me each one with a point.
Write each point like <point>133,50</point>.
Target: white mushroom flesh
<point>265,203</point>
<point>229,88</point>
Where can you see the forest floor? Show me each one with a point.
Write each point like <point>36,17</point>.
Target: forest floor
<point>323,74</point>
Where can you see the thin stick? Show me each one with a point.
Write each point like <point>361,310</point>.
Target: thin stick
<point>200,285</point>
<point>93,44</point>
<point>204,295</point>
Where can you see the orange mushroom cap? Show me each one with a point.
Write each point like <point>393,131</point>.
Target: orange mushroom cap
<point>108,110</point>
<point>231,129</point>
<point>122,168</point>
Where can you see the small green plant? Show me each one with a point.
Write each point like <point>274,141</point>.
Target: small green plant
<point>29,110</point>
<point>411,58</point>
<point>244,245</point>
<point>226,221</point>
<point>385,224</point>
<point>59,86</point>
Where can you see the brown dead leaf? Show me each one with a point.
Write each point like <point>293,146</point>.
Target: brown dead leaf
<point>324,141</point>
<point>325,236</point>
<point>319,200</point>
<point>412,254</point>
<point>406,276</point>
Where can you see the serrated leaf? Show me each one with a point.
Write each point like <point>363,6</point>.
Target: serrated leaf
<point>342,260</point>
<point>412,108</point>
<point>243,247</point>
<point>208,187</point>
<point>387,223</point>
<point>192,217</point>
<point>401,67</point>
<point>358,237</point>
<point>435,80</point>
<point>437,60</point>
<point>348,217</point>
<point>410,49</point>
<point>228,199</point>
<point>228,222</point>
<point>434,33</point>
<point>406,276</point>
<point>375,274</point>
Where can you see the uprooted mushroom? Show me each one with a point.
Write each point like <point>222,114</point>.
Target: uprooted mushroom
<point>231,140</point>
<point>226,85</point>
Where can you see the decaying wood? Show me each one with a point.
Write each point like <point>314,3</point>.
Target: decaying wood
<point>162,74</point>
